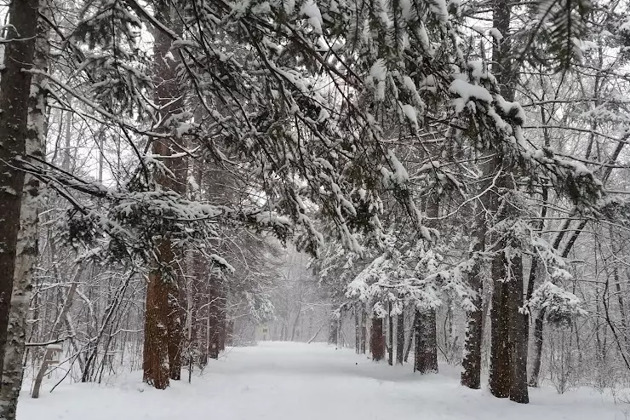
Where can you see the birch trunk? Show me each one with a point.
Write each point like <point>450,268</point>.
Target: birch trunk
<point>14,102</point>
<point>22,128</point>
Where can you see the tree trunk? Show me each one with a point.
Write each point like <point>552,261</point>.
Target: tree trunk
<point>400,338</point>
<point>508,353</point>
<point>363,329</point>
<point>425,335</point>
<point>500,348</point>
<point>518,332</point>
<point>357,328</point>
<point>175,328</point>
<point>155,358</point>
<point>390,334</point>
<point>425,332</point>
<point>539,324</point>
<point>471,375</point>
<point>164,323</point>
<point>22,129</point>
<point>214,315</point>
<point>15,89</point>
<point>377,339</point>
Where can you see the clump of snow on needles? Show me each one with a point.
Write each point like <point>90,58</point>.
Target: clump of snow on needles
<point>311,10</point>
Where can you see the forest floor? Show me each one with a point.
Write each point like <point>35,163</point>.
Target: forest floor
<point>290,381</point>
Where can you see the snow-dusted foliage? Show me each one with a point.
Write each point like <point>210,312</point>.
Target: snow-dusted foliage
<point>560,305</point>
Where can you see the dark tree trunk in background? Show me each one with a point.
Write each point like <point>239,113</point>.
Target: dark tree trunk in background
<point>537,351</point>
<point>500,349</point>
<point>425,328</point>
<point>390,334</point>
<point>175,329</point>
<point>15,89</point>
<point>222,319</point>
<point>400,338</point>
<point>471,375</point>
<point>377,339</point>
<point>333,331</point>
<point>518,332</point>
<point>425,336</point>
<point>199,316</point>
<point>214,316</point>
<point>363,329</point>
<point>357,328</point>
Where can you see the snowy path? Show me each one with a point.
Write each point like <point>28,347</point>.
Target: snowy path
<point>286,381</point>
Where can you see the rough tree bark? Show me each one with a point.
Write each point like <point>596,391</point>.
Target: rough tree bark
<point>164,326</point>
<point>22,130</point>
<point>471,375</point>
<point>425,333</point>
<point>508,353</point>
<point>537,350</point>
<point>155,363</point>
<point>377,339</point>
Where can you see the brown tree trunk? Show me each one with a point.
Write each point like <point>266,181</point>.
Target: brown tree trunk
<point>377,339</point>
<point>164,318</point>
<point>155,358</point>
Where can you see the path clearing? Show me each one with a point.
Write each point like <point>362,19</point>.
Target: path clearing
<point>290,381</point>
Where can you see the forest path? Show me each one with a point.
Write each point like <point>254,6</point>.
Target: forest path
<point>291,381</point>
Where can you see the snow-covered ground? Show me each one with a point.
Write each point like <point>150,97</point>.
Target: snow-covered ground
<point>289,381</point>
